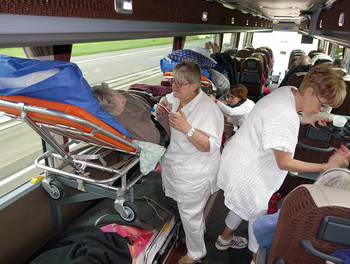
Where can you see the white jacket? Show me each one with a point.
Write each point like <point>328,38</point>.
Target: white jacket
<point>188,173</point>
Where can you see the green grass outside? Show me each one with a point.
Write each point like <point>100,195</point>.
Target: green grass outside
<point>98,47</point>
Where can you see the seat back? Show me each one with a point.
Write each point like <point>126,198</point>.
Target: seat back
<point>264,61</point>
<point>313,53</point>
<point>238,63</point>
<point>323,61</point>
<point>269,58</point>
<point>244,53</point>
<point>251,75</point>
<point>300,218</point>
<point>344,109</point>
<point>314,145</point>
<point>293,56</point>
<point>296,79</point>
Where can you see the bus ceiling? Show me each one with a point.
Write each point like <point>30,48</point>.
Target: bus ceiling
<point>56,22</point>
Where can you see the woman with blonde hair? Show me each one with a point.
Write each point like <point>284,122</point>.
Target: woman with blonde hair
<point>256,160</point>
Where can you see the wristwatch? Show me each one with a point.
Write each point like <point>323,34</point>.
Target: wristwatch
<point>190,132</point>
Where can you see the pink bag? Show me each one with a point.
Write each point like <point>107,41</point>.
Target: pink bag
<point>137,238</point>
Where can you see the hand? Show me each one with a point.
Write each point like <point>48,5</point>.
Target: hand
<point>313,119</point>
<point>340,158</point>
<point>163,106</point>
<point>208,45</point>
<point>178,121</point>
<point>216,48</point>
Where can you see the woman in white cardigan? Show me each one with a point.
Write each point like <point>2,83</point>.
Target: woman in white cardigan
<point>256,160</point>
<point>238,106</point>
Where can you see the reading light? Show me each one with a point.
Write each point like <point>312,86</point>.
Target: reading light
<point>204,16</point>
<point>123,6</point>
<point>341,20</point>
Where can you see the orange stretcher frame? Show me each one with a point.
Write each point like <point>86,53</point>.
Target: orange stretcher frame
<point>77,126</point>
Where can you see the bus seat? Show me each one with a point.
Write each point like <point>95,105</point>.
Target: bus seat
<point>323,61</point>
<point>265,62</point>
<point>344,109</point>
<point>267,54</point>
<point>238,65</point>
<point>244,53</point>
<point>293,56</point>
<point>313,53</point>
<point>249,48</point>
<point>251,75</point>
<point>238,62</point>
<point>292,60</point>
<point>296,79</point>
<point>314,145</point>
<point>271,55</point>
<point>313,213</point>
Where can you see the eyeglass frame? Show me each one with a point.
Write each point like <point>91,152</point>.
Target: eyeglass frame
<point>320,102</point>
<point>178,85</point>
<point>232,97</point>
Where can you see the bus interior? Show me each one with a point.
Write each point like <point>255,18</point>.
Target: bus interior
<point>62,168</point>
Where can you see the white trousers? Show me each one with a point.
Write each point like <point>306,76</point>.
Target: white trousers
<point>232,221</point>
<point>193,222</point>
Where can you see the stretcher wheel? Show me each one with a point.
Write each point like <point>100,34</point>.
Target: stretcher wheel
<point>57,190</point>
<point>131,209</point>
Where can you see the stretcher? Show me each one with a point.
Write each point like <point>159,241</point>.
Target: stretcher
<point>78,141</point>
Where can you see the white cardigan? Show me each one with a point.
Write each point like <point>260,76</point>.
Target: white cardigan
<point>248,172</point>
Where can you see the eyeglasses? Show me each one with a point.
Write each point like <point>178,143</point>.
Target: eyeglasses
<point>232,97</point>
<point>322,105</point>
<point>179,85</point>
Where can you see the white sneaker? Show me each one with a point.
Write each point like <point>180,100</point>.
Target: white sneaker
<point>235,242</point>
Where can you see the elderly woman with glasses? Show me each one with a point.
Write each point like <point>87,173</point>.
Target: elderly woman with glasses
<point>191,161</point>
<point>238,106</point>
<point>256,160</point>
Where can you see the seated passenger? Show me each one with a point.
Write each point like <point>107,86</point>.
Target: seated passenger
<point>320,56</point>
<point>341,64</point>
<point>301,65</point>
<point>225,64</point>
<point>264,227</point>
<point>134,113</point>
<point>238,106</point>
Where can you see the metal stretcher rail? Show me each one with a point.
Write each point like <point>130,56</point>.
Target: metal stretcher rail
<point>63,166</point>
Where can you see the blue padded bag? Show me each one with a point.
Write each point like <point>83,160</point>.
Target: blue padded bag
<point>167,65</point>
<point>183,54</point>
<point>61,82</point>
<point>264,228</point>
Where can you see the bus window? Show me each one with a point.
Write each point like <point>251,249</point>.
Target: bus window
<point>228,41</point>
<point>118,63</point>
<point>199,41</point>
<point>121,63</point>
<point>283,44</point>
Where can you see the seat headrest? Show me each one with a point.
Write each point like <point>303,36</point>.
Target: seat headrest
<point>252,63</point>
<point>327,196</point>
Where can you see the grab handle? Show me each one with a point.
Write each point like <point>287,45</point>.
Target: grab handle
<point>303,145</point>
<point>310,248</point>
